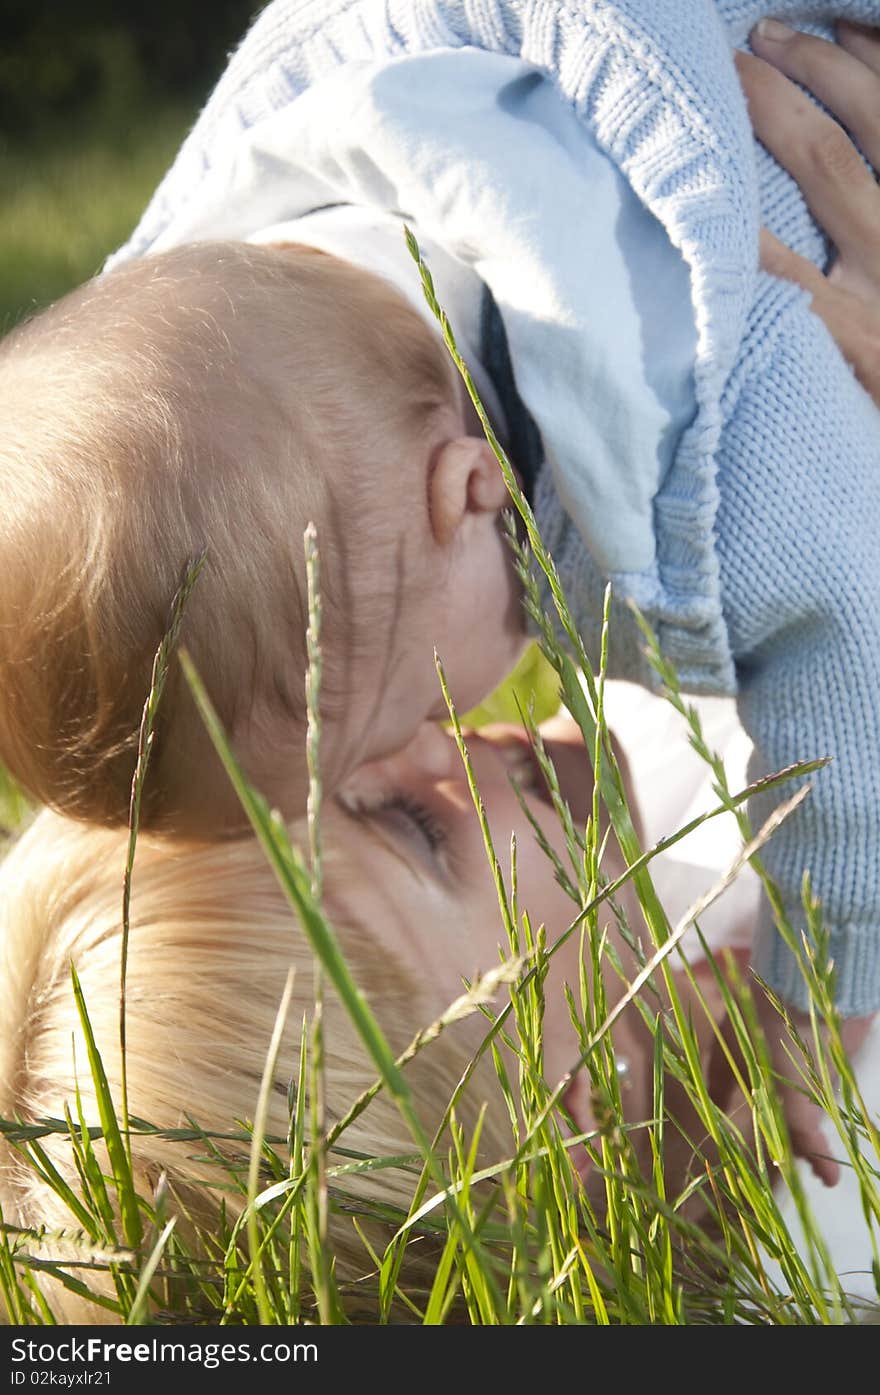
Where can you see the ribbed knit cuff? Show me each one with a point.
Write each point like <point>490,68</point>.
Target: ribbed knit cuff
<point>855,953</point>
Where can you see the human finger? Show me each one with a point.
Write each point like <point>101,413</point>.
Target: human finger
<point>515,750</point>
<point>781,261</point>
<point>563,744</point>
<point>726,1062</point>
<point>809,1144</point>
<point>862,41</point>
<point>786,1043</point>
<point>853,1032</point>
<point>836,75</point>
<point>817,152</point>
<point>851,319</point>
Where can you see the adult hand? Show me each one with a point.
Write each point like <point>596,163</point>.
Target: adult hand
<point>803,1117</point>
<point>820,151</point>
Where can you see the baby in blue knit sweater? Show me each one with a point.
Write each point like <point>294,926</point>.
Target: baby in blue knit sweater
<point>166,373</point>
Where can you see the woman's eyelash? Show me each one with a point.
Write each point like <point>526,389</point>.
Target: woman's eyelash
<point>431,827</point>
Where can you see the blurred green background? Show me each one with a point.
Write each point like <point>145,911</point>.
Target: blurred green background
<point>95,97</point>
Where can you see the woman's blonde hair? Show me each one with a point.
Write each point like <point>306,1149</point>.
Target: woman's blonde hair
<point>212,941</point>
<point>217,396</point>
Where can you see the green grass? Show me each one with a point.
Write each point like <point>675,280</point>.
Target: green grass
<point>71,200</point>
<point>517,1240</point>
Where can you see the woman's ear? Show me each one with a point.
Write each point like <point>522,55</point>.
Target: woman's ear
<point>464,478</point>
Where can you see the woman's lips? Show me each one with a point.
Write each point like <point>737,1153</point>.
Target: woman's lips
<point>513,752</point>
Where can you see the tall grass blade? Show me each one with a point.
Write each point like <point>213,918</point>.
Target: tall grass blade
<point>146,737</point>
<point>138,1312</point>
<point>260,1115</point>
<point>117,1153</point>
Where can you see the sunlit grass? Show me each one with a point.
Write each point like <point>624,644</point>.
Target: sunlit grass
<point>73,199</point>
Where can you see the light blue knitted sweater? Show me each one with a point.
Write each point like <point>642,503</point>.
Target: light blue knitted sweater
<point>763,571</point>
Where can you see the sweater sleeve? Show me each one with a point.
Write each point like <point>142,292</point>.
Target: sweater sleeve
<point>798,539</point>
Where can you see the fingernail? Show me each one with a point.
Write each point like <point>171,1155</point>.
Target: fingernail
<point>773,31</point>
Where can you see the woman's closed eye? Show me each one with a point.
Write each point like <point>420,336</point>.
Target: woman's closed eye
<point>420,820</point>
<point>406,824</point>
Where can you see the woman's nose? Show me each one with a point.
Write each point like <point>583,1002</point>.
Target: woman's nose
<point>430,756</point>
<point>431,753</point>
<point>494,752</point>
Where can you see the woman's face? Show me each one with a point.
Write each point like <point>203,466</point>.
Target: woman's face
<point>418,875</point>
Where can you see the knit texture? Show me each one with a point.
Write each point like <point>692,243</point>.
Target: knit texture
<point>767,564</point>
